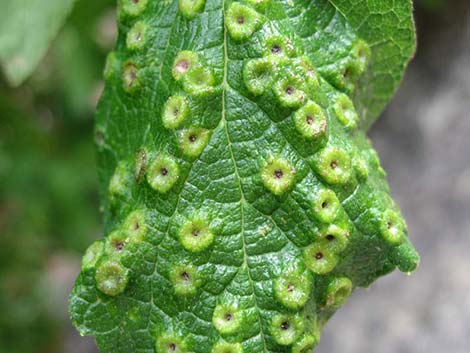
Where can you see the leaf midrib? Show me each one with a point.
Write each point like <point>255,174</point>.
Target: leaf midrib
<point>225,86</point>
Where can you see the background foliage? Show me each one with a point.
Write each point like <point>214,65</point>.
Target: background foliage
<point>48,187</point>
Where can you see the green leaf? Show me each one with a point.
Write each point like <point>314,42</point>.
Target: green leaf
<point>243,201</point>
<point>26,29</point>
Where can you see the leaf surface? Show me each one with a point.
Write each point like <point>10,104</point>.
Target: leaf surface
<point>243,201</point>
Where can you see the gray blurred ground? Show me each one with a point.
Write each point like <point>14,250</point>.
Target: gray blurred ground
<point>423,140</point>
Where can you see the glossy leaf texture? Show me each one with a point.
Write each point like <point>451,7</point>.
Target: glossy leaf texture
<point>242,199</point>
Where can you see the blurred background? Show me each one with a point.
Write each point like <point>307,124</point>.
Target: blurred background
<point>49,209</point>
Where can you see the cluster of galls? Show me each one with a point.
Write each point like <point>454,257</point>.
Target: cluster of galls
<point>288,75</point>
<point>136,40</point>
<point>105,256</point>
<point>161,172</point>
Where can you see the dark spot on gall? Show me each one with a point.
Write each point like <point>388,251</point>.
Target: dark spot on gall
<point>192,138</point>
<point>309,120</point>
<point>185,276</point>
<point>319,256</point>
<point>164,171</point>
<point>278,174</point>
<point>290,91</point>
<point>172,346</point>
<point>276,49</point>
<point>241,20</point>
<point>182,65</point>
<point>228,317</point>
<point>330,237</point>
<point>136,226</point>
<point>285,326</point>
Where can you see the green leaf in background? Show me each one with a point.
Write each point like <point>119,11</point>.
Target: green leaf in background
<point>27,28</point>
<point>243,200</point>
<point>48,184</point>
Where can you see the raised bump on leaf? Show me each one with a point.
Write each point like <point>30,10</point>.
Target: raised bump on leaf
<point>198,82</point>
<point>133,7</point>
<point>130,77</point>
<point>320,259</point>
<point>345,112</point>
<point>195,235</point>
<point>305,65</point>
<point>227,318</point>
<point>278,176</point>
<point>258,75</point>
<point>351,68</point>
<point>361,54</point>
<point>325,205</point>
<point>375,162</point>
<point>289,92</point>
<point>92,255</point>
<point>111,66</point>
<point>136,36</point>
<point>111,278</point>
<point>140,160</point>
<point>392,227</point>
<point>163,173</point>
<point>136,225</point>
<point>405,257</point>
<point>278,45</point>
<point>170,343</point>
<point>333,165</point>
<point>305,345</point>
<point>337,291</point>
<point>310,121</point>
<point>241,21</point>
<point>334,237</point>
<point>360,166</point>
<point>184,62</point>
<point>286,328</point>
<point>116,242</point>
<point>292,287</point>
<point>192,141</point>
<point>175,112</point>
<point>119,185</point>
<point>185,279</point>
<point>190,8</point>
<point>225,347</point>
